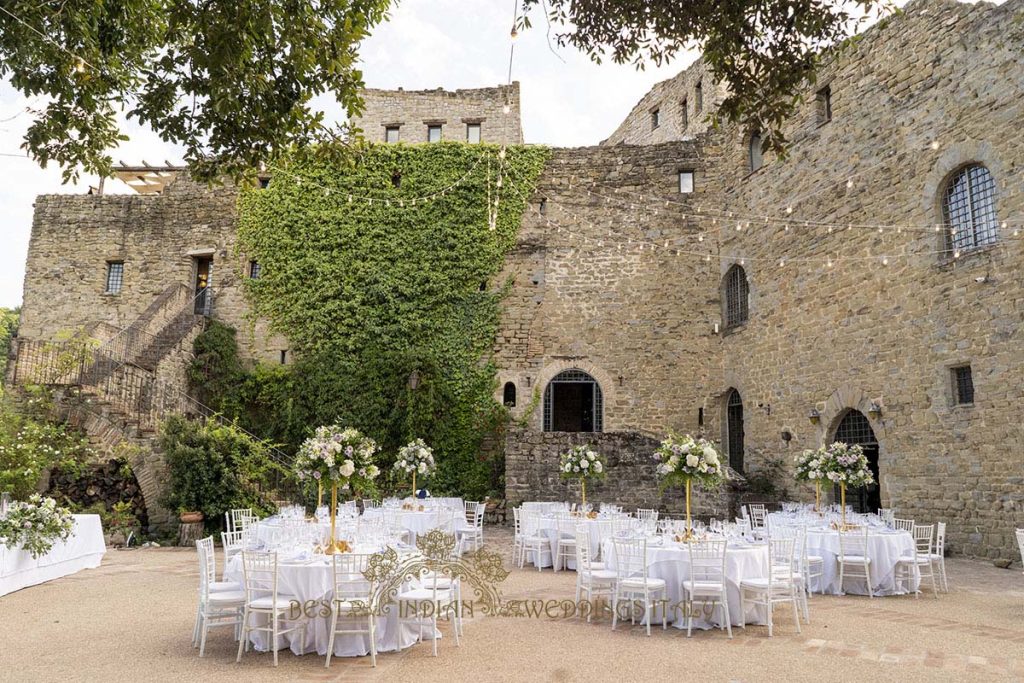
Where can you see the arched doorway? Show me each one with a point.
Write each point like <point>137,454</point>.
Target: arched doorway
<point>734,429</point>
<point>854,429</point>
<point>573,403</point>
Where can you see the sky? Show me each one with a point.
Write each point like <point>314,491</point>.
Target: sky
<point>567,100</point>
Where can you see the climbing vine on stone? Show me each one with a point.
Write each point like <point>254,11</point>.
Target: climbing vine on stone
<point>392,306</point>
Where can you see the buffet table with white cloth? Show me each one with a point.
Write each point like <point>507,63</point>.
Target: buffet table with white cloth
<point>313,579</point>
<point>84,549</point>
<point>885,548</point>
<point>670,561</point>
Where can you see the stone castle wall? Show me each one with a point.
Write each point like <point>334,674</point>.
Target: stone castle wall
<point>157,238</point>
<point>683,102</point>
<point>414,110</point>
<point>911,103</point>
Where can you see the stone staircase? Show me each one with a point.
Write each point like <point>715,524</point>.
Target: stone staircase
<point>120,391</point>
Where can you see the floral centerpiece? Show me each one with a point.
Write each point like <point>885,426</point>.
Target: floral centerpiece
<point>35,525</point>
<point>808,466</point>
<point>582,462</point>
<point>415,458</point>
<point>342,457</point>
<point>846,465</point>
<point>684,460</point>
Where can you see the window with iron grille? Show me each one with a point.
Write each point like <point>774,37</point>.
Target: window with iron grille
<point>115,277</point>
<point>737,292</point>
<point>734,425</point>
<point>573,402</point>
<point>854,429</point>
<point>969,209</point>
<point>254,270</point>
<point>963,384</point>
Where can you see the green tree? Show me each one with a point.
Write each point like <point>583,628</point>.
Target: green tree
<point>230,81</point>
<point>764,50</point>
<point>8,328</point>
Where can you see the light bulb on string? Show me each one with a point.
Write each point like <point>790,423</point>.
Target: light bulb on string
<point>849,183</point>
<point>789,209</point>
<point>935,144</point>
<point>885,261</point>
<point>829,262</point>
<point>700,238</point>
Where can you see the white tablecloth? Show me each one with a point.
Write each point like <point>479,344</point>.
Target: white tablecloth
<point>548,527</point>
<point>83,550</point>
<point>671,562</point>
<point>885,547</point>
<point>417,522</point>
<point>544,507</point>
<point>314,581</point>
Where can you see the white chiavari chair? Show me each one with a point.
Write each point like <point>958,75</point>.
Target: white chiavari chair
<point>939,554</point>
<point>565,545</point>
<point>919,564</point>
<point>647,514</point>
<point>706,584</point>
<point>903,525</point>
<point>353,601</point>
<point>1020,543</point>
<point>220,602</point>
<point>633,583</point>
<point>434,595</point>
<point>259,571</point>
<point>474,534</point>
<point>854,559</point>
<point>592,579</point>
<point>232,516</point>
<point>778,587</point>
<point>234,542</point>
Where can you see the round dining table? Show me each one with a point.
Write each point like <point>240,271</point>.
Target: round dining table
<point>670,561</point>
<point>418,522</point>
<point>885,548</point>
<point>309,580</point>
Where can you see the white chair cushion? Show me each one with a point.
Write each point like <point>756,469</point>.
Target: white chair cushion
<point>567,541</point>
<point>602,575</point>
<point>597,565</point>
<point>703,586</point>
<point>921,559</point>
<point>856,559</point>
<point>223,597</point>
<point>424,595</point>
<point>815,559</point>
<point>217,586</point>
<point>283,603</point>
<point>638,583</point>
<point>762,584</point>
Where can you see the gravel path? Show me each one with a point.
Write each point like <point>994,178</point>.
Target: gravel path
<point>131,619</point>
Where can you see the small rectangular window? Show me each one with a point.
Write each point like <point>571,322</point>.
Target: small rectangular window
<point>700,416</point>
<point>685,182</point>
<point>698,98</point>
<point>685,110</point>
<point>543,206</point>
<point>433,133</point>
<point>824,100</point>
<point>472,133</point>
<point>391,133</point>
<point>655,118</point>
<point>963,385</point>
<point>254,270</point>
<point>284,357</point>
<point>115,277</point>
<point>264,182</point>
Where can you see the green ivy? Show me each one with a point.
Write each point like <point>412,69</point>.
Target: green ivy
<point>391,306</point>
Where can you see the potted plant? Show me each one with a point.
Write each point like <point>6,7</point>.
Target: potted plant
<point>189,516</point>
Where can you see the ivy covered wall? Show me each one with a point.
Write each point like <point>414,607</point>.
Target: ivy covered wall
<point>378,264</point>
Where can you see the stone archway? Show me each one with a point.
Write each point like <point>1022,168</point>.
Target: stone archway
<point>849,398</point>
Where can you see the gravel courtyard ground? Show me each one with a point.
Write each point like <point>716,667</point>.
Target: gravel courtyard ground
<point>131,619</point>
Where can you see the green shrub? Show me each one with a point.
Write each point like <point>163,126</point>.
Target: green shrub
<point>214,468</point>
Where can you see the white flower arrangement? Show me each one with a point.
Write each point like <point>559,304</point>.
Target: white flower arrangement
<point>338,455</point>
<point>582,462</point>
<point>845,464</point>
<point>416,457</point>
<point>684,458</point>
<point>36,525</point>
<point>809,465</point>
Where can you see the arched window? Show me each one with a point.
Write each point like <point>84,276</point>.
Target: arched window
<point>756,157</point>
<point>734,427</point>
<point>969,209</point>
<point>737,292</point>
<point>573,403</point>
<point>509,395</point>
<point>854,429</point>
